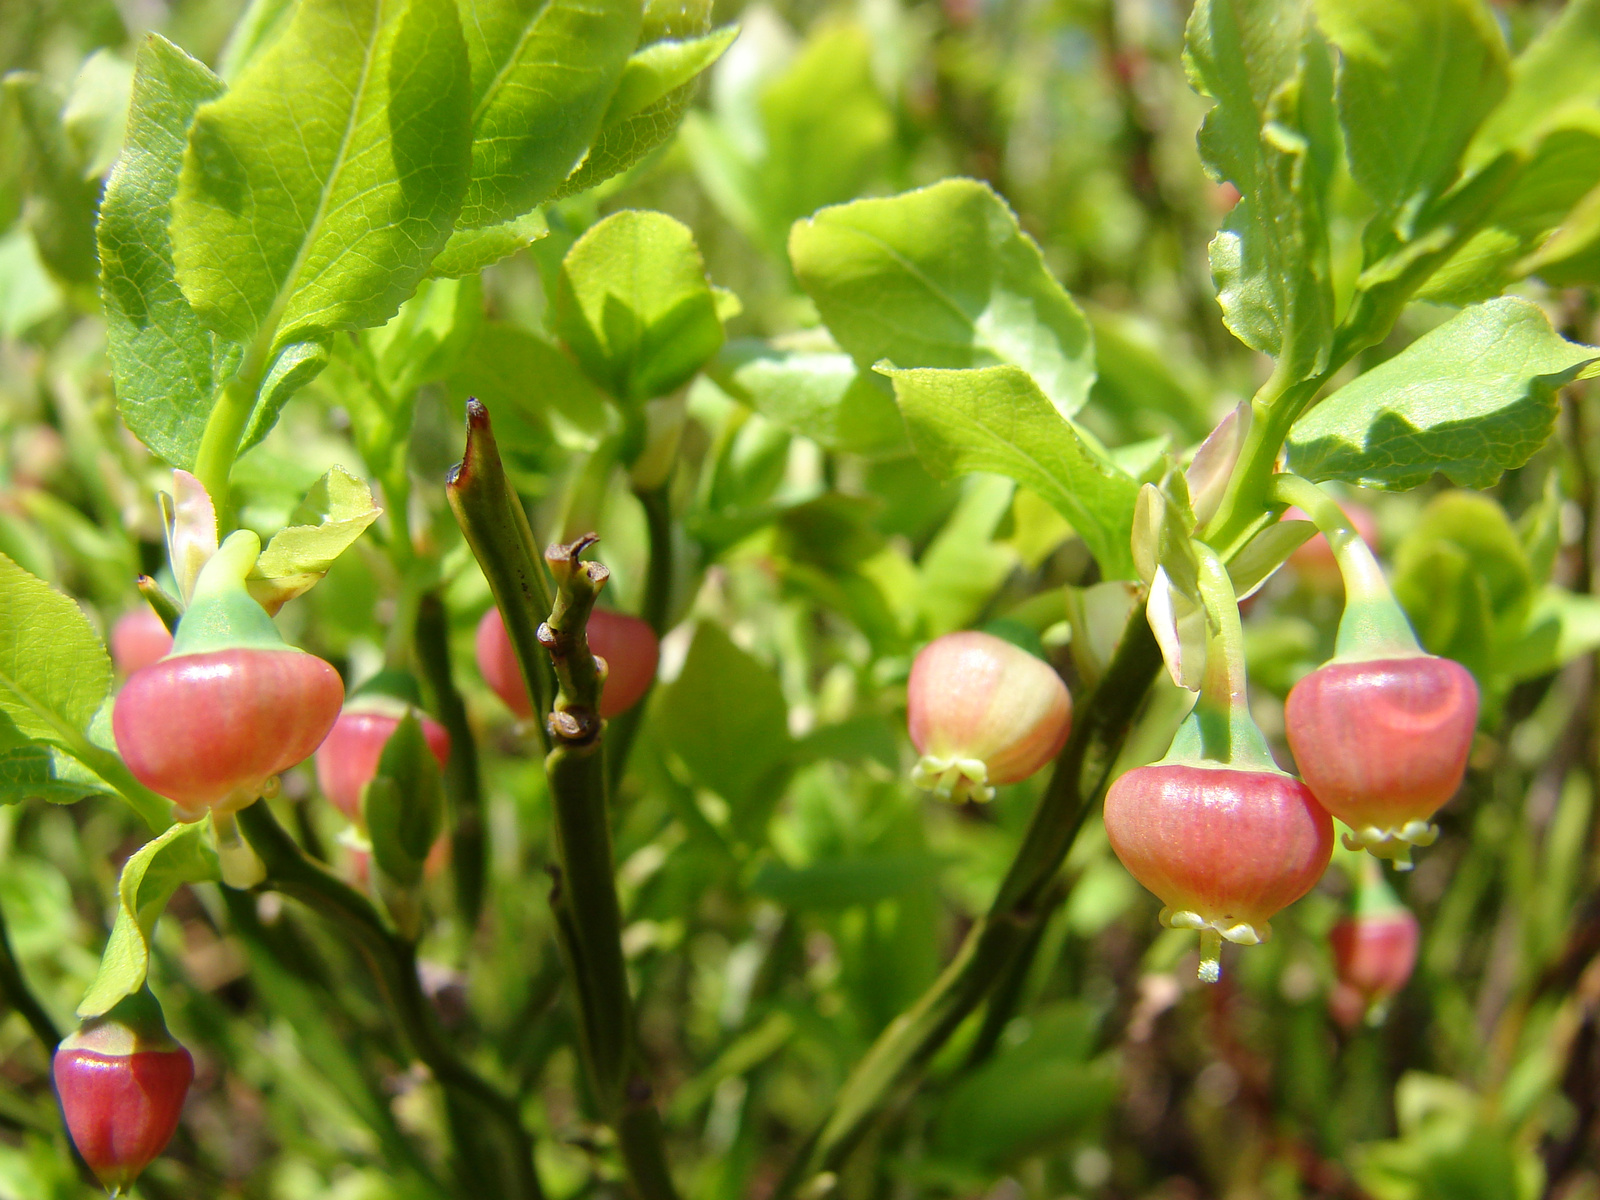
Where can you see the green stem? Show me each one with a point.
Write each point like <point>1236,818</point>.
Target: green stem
<point>469,849</point>
<point>15,991</point>
<point>1081,773</point>
<point>394,966</point>
<point>219,444</point>
<point>1373,624</point>
<point>588,911</point>
<point>496,528</point>
<point>1220,729</point>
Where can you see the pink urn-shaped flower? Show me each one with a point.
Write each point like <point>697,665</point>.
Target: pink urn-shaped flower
<point>983,712</point>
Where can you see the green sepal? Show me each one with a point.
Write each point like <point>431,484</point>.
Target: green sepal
<point>133,1025</point>
<point>222,614</point>
<point>1221,735</point>
<point>1374,627</point>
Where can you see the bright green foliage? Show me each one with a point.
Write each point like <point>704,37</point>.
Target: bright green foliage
<point>33,772</point>
<point>1271,134</point>
<point>565,407</point>
<point>633,306</point>
<point>1415,80</point>
<point>314,195</point>
<point>167,364</point>
<point>996,419</point>
<point>62,206</point>
<point>663,67</point>
<point>818,393</point>
<point>54,672</point>
<point>943,277</point>
<point>725,698</point>
<point>335,513</point>
<point>470,250</point>
<point>1470,398</point>
<point>180,855</point>
<point>404,803</point>
<point>787,138</point>
<point>1553,83</point>
<point>625,138</point>
<point>542,76</point>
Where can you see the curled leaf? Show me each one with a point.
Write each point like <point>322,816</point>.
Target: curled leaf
<point>333,515</point>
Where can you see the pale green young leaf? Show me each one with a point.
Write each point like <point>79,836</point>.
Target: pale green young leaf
<point>314,194</point>
<point>1415,81</point>
<point>663,67</point>
<point>28,295</point>
<point>633,306</point>
<point>180,855</point>
<point>623,141</point>
<point>1547,196</point>
<point>54,671</point>
<point>724,698</point>
<point>943,277</point>
<point>61,207</point>
<point>542,76</point>
<point>471,250</point>
<point>1554,81</point>
<point>1561,626</point>
<point>96,112</point>
<point>1571,258</point>
<point>1272,134</point>
<point>1471,399</point>
<point>427,337</point>
<point>816,392</point>
<point>330,519</point>
<point>827,129</point>
<point>165,363</point>
<point>996,419</point>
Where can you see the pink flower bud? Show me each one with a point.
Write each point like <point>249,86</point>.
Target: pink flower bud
<point>628,646</point>
<point>1224,849</point>
<point>983,712</point>
<point>138,639</point>
<point>1383,744</point>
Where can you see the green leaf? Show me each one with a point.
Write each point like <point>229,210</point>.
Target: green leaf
<point>33,772</point>
<point>180,855</point>
<point>1548,192</point>
<point>818,393</point>
<point>28,295</point>
<point>943,277</point>
<point>1415,81</point>
<point>996,419</point>
<point>846,882</point>
<point>1561,627</point>
<point>1554,81</point>
<point>314,194</point>
<point>663,67</point>
<point>625,140</point>
<point>633,306</point>
<point>54,672</point>
<point>427,338</point>
<point>542,77</point>
<point>1031,1096</point>
<point>1471,398</point>
<point>335,513</point>
<point>96,112</point>
<point>403,803</point>
<point>167,366</point>
<point>470,250</point>
<point>61,203</point>
<point>564,407</point>
<point>722,699</point>
<point>1271,133</point>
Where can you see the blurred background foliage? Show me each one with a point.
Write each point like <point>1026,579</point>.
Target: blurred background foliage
<point>786,893</point>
